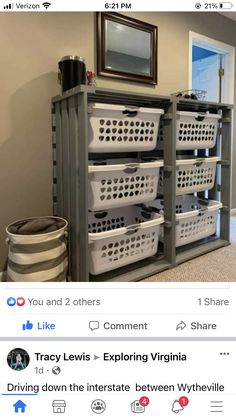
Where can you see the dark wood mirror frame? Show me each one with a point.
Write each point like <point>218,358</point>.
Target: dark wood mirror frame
<point>101,42</point>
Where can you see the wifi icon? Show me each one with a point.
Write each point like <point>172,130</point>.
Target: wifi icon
<point>46,4</point>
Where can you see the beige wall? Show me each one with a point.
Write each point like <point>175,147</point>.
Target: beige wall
<point>31,45</point>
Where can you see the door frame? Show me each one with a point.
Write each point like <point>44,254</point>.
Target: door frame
<point>228,62</point>
<point>228,79</point>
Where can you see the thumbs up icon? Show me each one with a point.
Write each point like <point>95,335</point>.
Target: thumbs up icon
<point>27,326</point>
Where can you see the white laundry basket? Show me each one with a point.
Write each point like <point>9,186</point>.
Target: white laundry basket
<point>194,130</point>
<point>118,238</point>
<point>117,128</point>
<point>194,175</point>
<point>195,218</point>
<point>121,183</point>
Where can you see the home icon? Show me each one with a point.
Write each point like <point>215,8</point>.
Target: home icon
<point>59,406</point>
<point>19,406</point>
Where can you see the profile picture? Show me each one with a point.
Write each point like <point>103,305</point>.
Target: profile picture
<point>18,359</point>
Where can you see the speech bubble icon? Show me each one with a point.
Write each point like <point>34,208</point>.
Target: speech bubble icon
<point>93,325</point>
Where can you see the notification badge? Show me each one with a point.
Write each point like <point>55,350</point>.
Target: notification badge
<point>144,401</point>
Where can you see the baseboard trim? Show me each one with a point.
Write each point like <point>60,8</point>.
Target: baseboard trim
<point>233,211</point>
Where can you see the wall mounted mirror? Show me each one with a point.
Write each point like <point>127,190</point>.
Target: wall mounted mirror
<point>126,48</point>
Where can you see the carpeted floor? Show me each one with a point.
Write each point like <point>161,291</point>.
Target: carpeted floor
<point>219,265</point>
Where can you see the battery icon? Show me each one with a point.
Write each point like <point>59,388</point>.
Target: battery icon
<point>226,5</point>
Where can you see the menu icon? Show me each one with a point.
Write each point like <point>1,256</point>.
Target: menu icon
<point>216,406</point>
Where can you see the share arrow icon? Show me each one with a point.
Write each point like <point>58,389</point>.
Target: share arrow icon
<point>181,326</point>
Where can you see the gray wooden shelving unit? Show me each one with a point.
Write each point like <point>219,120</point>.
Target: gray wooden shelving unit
<point>71,156</point>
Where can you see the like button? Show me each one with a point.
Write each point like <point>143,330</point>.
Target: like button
<point>27,326</point>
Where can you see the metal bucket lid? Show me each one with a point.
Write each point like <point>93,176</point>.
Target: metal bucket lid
<point>72,57</point>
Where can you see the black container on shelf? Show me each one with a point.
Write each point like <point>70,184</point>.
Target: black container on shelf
<point>72,72</point>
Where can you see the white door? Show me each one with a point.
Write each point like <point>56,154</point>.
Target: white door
<point>205,76</point>
<point>227,52</point>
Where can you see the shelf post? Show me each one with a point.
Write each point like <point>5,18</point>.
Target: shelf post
<point>170,183</point>
<point>226,147</point>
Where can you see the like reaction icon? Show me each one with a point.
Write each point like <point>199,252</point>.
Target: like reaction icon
<point>11,302</point>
